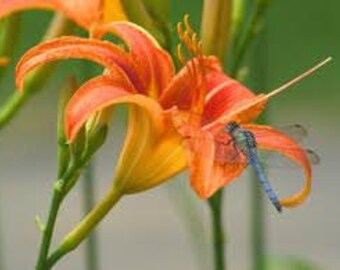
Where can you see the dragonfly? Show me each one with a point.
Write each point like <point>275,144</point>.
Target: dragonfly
<point>244,142</point>
<point>236,139</point>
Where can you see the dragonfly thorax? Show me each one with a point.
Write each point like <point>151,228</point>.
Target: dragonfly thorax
<point>231,127</point>
<point>243,138</point>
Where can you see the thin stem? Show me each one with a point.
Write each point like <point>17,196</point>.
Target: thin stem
<point>77,235</point>
<point>59,193</point>
<point>48,230</point>
<point>91,250</point>
<point>258,246</point>
<point>216,205</point>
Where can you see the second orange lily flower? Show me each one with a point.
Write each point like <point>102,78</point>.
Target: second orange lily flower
<point>85,13</point>
<point>165,109</point>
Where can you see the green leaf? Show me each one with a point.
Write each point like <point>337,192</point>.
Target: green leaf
<point>291,263</point>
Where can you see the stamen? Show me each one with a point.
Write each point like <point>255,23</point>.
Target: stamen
<point>196,67</point>
<point>290,83</point>
<point>180,29</point>
<point>187,24</point>
<point>262,98</point>
<point>298,78</point>
<point>182,58</point>
<point>180,54</point>
<point>188,37</point>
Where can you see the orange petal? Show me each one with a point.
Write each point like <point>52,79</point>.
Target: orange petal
<point>225,167</point>
<point>102,52</point>
<point>244,111</point>
<point>183,87</point>
<point>153,63</point>
<point>270,139</point>
<point>224,174</point>
<point>83,12</point>
<point>201,159</point>
<point>210,161</point>
<point>224,97</point>
<point>100,93</point>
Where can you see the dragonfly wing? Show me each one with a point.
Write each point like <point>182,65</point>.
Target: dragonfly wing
<point>298,133</point>
<point>295,131</point>
<point>313,157</point>
<point>276,160</point>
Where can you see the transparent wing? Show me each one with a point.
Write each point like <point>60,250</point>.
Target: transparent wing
<point>295,131</point>
<point>313,157</point>
<point>276,160</point>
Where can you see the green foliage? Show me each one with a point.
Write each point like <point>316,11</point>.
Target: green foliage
<point>291,263</point>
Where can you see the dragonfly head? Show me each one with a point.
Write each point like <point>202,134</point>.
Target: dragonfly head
<point>231,127</point>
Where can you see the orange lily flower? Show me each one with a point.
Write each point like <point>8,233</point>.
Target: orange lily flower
<point>164,109</point>
<point>86,13</point>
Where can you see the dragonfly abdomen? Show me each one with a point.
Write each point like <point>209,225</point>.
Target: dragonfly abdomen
<point>255,163</point>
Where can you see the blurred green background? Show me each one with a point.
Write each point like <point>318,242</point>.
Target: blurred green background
<point>145,231</point>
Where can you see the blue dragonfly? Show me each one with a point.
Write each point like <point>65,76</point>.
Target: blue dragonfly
<point>244,142</point>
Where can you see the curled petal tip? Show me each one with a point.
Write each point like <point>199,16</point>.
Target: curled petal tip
<point>270,139</point>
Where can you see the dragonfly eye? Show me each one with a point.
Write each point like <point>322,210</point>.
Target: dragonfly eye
<point>231,127</point>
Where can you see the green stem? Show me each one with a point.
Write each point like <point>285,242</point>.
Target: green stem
<point>216,205</point>
<point>258,247</point>
<point>77,235</point>
<point>91,252</point>
<point>60,191</point>
<point>48,230</point>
